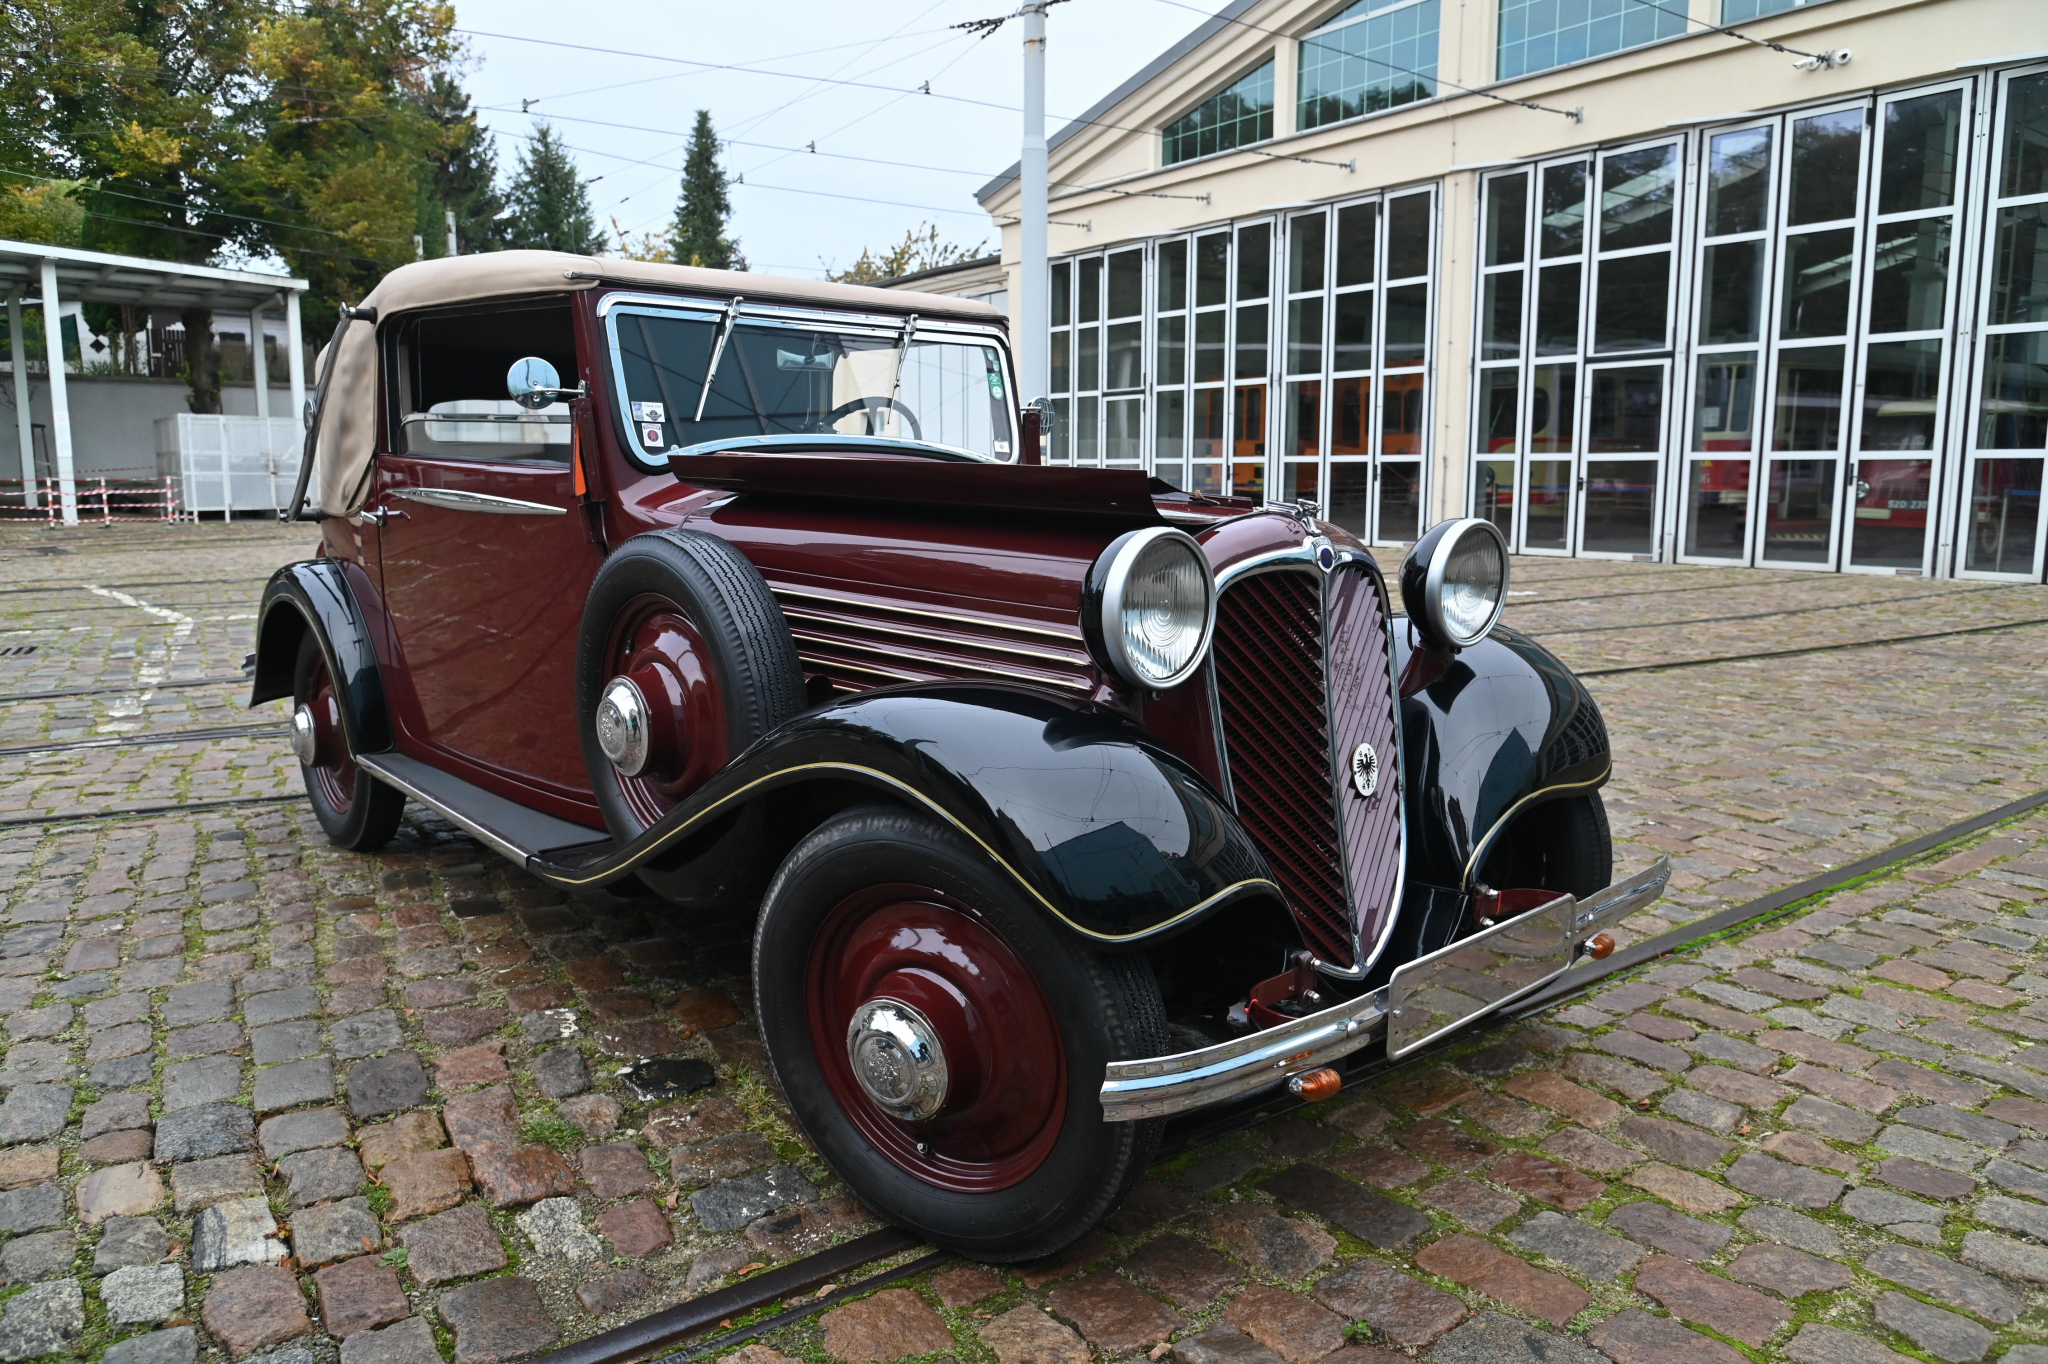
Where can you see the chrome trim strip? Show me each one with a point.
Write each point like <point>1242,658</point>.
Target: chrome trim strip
<point>942,664</point>
<point>1077,659</point>
<point>454,499</point>
<point>1158,1086</point>
<point>1072,636</point>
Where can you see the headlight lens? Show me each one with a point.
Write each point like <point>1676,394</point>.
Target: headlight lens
<point>1157,607</point>
<point>1456,581</point>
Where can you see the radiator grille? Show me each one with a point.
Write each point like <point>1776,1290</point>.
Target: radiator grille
<point>1276,736</point>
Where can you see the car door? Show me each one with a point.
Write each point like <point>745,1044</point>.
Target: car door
<point>484,552</point>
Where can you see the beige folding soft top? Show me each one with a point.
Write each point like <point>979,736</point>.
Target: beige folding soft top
<point>348,426</point>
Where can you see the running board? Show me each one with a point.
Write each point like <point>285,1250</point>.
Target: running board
<point>505,825</point>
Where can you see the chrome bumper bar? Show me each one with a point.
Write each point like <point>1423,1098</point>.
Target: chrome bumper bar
<point>1160,1086</point>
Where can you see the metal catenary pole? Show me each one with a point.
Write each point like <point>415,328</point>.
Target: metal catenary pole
<point>1032,321</point>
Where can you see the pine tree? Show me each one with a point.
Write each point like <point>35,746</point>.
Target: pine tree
<point>705,207</point>
<point>463,178</point>
<point>550,209</point>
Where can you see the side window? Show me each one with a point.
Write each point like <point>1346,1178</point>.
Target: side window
<point>452,402</point>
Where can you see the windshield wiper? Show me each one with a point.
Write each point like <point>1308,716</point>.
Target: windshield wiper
<point>725,322</point>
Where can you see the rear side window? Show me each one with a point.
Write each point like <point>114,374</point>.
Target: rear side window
<point>452,366</point>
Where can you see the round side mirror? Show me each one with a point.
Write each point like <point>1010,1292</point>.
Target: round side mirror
<point>532,383</point>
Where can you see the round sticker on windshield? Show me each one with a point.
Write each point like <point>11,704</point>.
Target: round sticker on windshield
<point>650,435</point>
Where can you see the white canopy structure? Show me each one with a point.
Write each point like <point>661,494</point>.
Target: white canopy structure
<point>54,275</point>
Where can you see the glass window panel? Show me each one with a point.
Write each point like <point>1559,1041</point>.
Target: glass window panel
<point>1546,522</point>
<point>1408,232</point>
<point>1739,181</point>
<point>2012,412</point>
<point>1126,355</point>
<point>1172,349</point>
<point>1732,303</point>
<point>1740,11</point>
<point>1212,269</point>
<point>1254,260</point>
<point>1236,116</point>
<point>1633,304</point>
<point>1493,494</point>
<point>1062,363</point>
<point>1298,481</point>
<point>1401,415</point>
<point>1889,528</point>
<point>1799,504</point>
<point>1562,229</point>
<point>1353,340</point>
<point>1062,431</point>
<point>1407,325</point>
<point>1818,269</point>
<point>1304,418</point>
<point>1716,507</point>
<point>1127,284</point>
<point>1305,336</point>
<point>1356,228</point>
<point>1621,506</point>
<point>1507,208</point>
<point>1370,63</point>
<point>2024,165</point>
<point>1169,435</point>
<point>1501,338</point>
<point>1538,34</point>
<point>1808,412</point>
<point>1553,408</point>
<point>1724,403</point>
<point>1557,309</point>
<point>1088,293</point>
<point>1625,410</point>
<point>1207,479</point>
<point>1350,416</point>
<point>1827,152</point>
<point>2005,515</point>
<point>1088,359</point>
<point>1637,191</point>
<point>1351,497</point>
<point>1251,342</point>
<point>1400,501</point>
<point>1248,442</point>
<point>2019,272</point>
<point>1123,423</point>
<point>1062,293</point>
<point>1909,276</point>
<point>1207,433</point>
<point>1087,431</point>
<point>1209,346</point>
<point>1498,391</point>
<point>1921,137</point>
<point>1173,276</point>
<point>1305,253</point>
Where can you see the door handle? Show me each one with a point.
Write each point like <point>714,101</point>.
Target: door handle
<point>377,516</point>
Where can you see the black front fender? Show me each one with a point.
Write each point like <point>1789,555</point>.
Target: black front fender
<point>314,595</point>
<point>1111,834</point>
<point>1488,731</point>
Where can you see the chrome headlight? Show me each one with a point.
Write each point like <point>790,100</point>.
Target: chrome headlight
<point>1455,581</point>
<point>1151,607</point>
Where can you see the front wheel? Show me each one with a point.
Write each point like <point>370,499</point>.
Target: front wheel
<point>906,991</point>
<point>357,811</point>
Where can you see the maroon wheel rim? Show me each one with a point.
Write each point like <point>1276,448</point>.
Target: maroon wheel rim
<point>332,770</point>
<point>1007,1095</point>
<point>662,652</point>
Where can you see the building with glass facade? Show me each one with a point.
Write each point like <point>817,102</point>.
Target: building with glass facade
<point>1626,283</point>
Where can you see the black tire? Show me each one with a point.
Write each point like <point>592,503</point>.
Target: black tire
<point>356,811</point>
<point>1108,1009</point>
<point>759,677</point>
<point>1556,845</point>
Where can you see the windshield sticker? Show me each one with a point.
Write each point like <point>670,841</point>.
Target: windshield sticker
<point>650,412</point>
<point>650,435</point>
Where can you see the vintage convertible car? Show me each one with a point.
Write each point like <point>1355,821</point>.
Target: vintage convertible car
<point>1070,801</point>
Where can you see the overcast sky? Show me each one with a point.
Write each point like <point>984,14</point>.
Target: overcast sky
<point>949,146</point>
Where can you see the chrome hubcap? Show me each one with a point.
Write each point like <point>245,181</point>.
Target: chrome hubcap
<point>305,743</point>
<point>897,1059</point>
<point>622,726</point>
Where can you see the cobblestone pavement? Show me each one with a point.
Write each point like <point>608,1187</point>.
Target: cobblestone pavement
<point>270,1101</point>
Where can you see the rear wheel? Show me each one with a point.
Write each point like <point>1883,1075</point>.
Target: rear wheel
<point>943,1044</point>
<point>356,810</point>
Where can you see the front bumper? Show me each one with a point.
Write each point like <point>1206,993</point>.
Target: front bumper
<point>1426,999</point>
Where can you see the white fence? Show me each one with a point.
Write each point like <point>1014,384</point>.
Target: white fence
<point>229,464</point>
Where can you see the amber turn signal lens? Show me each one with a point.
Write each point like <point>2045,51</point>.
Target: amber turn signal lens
<point>1314,1086</point>
<point>1599,946</point>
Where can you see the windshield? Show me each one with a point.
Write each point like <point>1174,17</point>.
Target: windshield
<point>773,380</point>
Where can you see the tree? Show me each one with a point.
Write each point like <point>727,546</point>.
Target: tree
<point>705,206</point>
<point>920,249</point>
<point>464,180</point>
<point>550,208</point>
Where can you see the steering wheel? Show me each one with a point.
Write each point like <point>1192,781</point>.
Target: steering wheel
<point>871,405</point>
